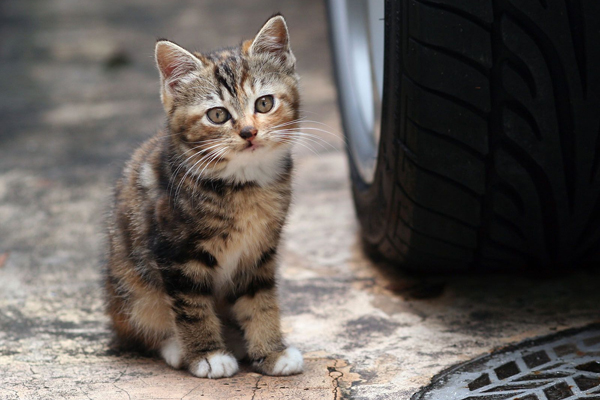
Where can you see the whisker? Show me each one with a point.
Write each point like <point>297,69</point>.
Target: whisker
<point>306,145</point>
<point>213,158</point>
<point>168,135</point>
<point>207,141</point>
<point>294,121</point>
<point>177,191</point>
<point>182,164</point>
<point>185,152</point>
<point>283,125</point>
<point>288,130</point>
<point>314,138</point>
<point>305,137</point>
<point>211,142</point>
<point>199,175</point>
<point>212,145</point>
<point>303,120</point>
<point>319,130</point>
<point>290,141</point>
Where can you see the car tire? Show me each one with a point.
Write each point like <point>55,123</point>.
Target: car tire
<point>489,150</point>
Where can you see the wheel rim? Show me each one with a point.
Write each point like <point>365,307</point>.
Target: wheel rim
<point>358,40</point>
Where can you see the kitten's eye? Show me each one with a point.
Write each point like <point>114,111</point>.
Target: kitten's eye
<point>218,115</point>
<point>264,104</point>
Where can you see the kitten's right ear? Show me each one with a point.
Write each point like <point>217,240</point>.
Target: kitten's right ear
<point>175,65</point>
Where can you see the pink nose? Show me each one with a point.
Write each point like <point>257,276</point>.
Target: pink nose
<point>248,133</point>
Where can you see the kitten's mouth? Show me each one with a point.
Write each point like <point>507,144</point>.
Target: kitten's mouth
<point>251,146</point>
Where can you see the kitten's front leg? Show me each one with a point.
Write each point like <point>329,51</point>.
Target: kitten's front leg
<point>198,329</point>
<point>256,310</point>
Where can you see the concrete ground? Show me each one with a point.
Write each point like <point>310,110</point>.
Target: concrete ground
<point>78,92</point>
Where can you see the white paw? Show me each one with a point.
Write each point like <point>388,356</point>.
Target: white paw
<point>171,352</point>
<point>288,363</point>
<point>218,365</point>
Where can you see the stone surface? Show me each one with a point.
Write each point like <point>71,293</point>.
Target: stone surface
<point>78,92</point>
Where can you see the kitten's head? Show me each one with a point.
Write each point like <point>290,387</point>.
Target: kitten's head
<point>232,111</point>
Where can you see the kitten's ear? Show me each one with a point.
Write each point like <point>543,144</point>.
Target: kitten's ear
<point>273,39</point>
<point>175,64</point>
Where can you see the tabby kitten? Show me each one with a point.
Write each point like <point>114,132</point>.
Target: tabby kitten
<point>199,210</point>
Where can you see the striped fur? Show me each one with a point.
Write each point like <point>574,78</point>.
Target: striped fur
<point>199,210</point>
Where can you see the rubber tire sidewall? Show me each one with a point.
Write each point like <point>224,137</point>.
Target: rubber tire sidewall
<point>374,205</point>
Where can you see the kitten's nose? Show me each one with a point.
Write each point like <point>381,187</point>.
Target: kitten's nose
<point>248,132</point>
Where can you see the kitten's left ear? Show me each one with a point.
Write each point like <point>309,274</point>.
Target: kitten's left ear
<point>272,39</point>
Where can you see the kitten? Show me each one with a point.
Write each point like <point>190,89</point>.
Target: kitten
<point>199,210</point>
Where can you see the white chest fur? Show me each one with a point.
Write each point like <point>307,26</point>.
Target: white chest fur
<point>261,166</point>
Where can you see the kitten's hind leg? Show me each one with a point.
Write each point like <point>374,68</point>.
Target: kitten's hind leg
<point>141,316</point>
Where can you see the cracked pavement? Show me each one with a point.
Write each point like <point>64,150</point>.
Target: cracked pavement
<point>78,92</point>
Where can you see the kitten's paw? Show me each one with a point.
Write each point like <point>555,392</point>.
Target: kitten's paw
<point>171,352</point>
<point>288,362</point>
<point>217,365</point>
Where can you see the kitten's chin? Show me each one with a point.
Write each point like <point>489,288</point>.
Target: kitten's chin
<point>261,164</point>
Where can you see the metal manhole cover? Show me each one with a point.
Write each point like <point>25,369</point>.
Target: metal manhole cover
<point>562,366</point>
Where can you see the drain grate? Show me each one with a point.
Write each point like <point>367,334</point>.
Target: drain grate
<point>565,366</point>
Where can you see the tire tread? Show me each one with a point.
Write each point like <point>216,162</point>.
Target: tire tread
<point>491,153</point>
